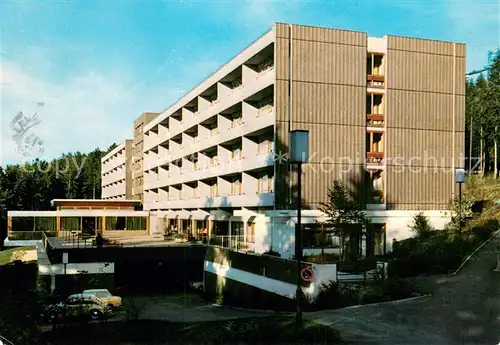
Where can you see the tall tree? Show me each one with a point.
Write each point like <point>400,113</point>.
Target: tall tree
<point>346,216</point>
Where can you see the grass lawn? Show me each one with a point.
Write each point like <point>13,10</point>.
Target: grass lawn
<point>6,255</point>
<point>260,330</point>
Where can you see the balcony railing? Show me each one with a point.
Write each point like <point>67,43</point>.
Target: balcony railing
<point>375,80</point>
<point>236,122</point>
<point>377,197</point>
<point>375,120</point>
<point>265,66</point>
<point>265,110</point>
<point>375,157</point>
<point>27,235</point>
<point>235,242</point>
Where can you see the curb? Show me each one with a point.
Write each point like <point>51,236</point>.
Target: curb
<point>252,310</point>
<point>398,301</point>
<point>467,259</point>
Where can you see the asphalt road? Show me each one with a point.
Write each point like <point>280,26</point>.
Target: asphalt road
<point>464,309</point>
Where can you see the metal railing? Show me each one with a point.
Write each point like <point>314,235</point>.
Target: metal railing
<point>235,242</point>
<point>25,235</point>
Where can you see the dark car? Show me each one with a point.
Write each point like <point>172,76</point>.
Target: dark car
<point>78,306</point>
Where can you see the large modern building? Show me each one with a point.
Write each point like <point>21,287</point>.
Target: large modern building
<point>116,173</point>
<point>385,116</point>
<point>137,172</point>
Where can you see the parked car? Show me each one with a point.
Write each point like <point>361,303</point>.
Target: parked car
<point>108,298</point>
<point>77,306</point>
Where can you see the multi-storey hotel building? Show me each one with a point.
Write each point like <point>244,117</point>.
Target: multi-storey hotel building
<point>138,153</point>
<point>116,173</point>
<point>384,115</point>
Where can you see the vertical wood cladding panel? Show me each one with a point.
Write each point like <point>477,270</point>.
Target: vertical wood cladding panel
<point>320,178</point>
<point>328,104</point>
<point>425,46</point>
<point>425,65</point>
<point>424,72</point>
<point>328,98</point>
<point>424,189</point>
<point>281,58</point>
<point>424,110</point>
<point>282,30</point>
<point>324,62</point>
<point>419,119</point>
<point>281,100</point>
<point>334,143</point>
<point>419,147</point>
<point>309,33</point>
<point>282,178</point>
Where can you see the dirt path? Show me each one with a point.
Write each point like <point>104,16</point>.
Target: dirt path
<point>464,309</point>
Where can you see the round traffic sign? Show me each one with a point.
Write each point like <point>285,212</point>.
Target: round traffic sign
<point>307,274</point>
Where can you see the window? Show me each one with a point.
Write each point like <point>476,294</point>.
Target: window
<point>214,161</point>
<point>251,232</point>
<point>265,146</point>
<point>376,179</point>
<point>266,106</point>
<point>236,154</point>
<point>265,184</point>
<point>375,142</point>
<point>266,65</point>
<point>236,187</point>
<point>213,190</point>
<point>237,120</point>
<point>376,240</point>
<point>316,236</point>
<point>375,70</point>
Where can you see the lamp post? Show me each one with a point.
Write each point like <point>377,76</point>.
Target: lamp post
<point>460,178</point>
<point>299,154</point>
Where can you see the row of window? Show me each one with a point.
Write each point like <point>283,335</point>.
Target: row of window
<point>264,185</point>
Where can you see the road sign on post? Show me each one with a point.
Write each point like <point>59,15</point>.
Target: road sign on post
<point>307,274</point>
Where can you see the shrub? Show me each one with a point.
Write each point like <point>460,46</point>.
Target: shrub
<point>271,252</point>
<point>327,258</point>
<point>133,308</point>
<point>421,226</point>
<point>483,232</point>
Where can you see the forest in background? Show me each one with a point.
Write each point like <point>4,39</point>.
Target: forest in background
<point>78,176</point>
<point>31,186</point>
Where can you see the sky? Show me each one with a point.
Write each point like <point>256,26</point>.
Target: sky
<point>89,68</point>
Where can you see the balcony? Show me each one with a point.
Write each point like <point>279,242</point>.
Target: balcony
<point>375,120</point>
<point>375,81</point>
<point>261,119</point>
<point>375,158</point>
<point>259,160</point>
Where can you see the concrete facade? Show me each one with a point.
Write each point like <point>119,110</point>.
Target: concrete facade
<point>116,173</point>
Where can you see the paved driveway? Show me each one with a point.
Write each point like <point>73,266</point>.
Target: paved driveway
<point>464,309</point>
<point>187,308</point>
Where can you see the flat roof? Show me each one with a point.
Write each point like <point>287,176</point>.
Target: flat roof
<point>93,202</point>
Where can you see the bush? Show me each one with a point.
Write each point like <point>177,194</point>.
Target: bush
<point>484,231</point>
<point>327,258</point>
<point>421,226</point>
<point>271,252</point>
<point>333,295</point>
<point>133,308</point>
<point>437,254</point>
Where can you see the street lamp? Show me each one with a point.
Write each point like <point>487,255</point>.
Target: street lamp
<point>299,154</point>
<point>460,178</point>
